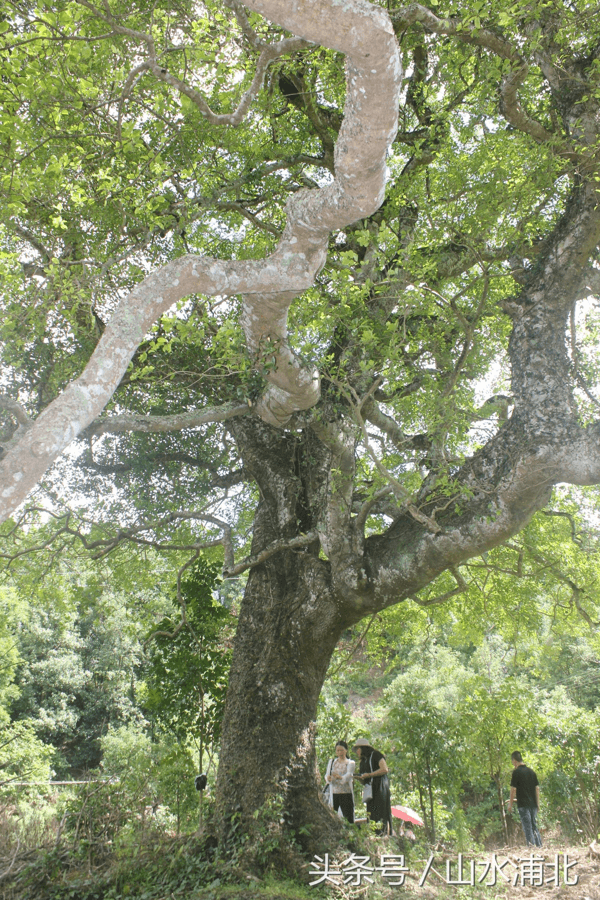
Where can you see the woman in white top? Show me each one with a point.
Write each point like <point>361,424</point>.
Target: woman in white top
<point>339,776</point>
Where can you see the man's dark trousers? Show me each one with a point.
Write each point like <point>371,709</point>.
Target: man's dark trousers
<point>528,816</point>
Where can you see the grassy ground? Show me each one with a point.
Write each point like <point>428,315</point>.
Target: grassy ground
<point>174,869</point>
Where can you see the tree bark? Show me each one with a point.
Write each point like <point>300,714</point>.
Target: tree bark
<point>289,624</point>
<point>297,605</point>
<point>288,627</point>
<point>365,34</point>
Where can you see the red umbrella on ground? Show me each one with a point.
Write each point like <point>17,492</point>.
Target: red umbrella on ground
<point>407,814</point>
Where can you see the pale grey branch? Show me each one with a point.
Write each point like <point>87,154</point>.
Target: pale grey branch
<point>15,409</point>
<point>365,35</point>
<point>158,424</point>
<point>297,543</point>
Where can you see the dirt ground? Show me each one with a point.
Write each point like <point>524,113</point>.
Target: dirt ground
<point>566,872</point>
<point>572,873</point>
<point>555,871</point>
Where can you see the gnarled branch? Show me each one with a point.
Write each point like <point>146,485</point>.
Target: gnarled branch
<point>364,33</point>
<point>124,424</point>
<point>231,569</point>
<point>490,40</point>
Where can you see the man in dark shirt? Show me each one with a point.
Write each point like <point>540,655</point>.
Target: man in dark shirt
<point>525,788</point>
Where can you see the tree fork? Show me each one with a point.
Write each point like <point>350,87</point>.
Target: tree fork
<point>290,622</point>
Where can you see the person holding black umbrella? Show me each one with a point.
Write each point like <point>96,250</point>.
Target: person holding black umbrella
<point>376,792</point>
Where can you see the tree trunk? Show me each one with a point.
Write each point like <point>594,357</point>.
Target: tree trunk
<point>289,624</point>
<point>431,803</point>
<point>420,790</point>
<point>502,808</point>
<point>287,631</point>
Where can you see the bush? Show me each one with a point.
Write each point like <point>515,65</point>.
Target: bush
<point>145,788</point>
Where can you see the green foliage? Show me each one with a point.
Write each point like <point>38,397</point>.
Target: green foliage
<point>499,716</point>
<point>144,872</point>
<point>107,172</point>
<point>76,686</point>
<point>513,665</point>
<point>79,666</point>
<point>11,612</point>
<point>189,659</point>
<point>144,788</point>
<point>265,844</point>
<point>161,868</point>
<point>23,756</point>
<point>335,723</point>
<point>127,178</point>
<point>570,760</point>
<point>423,723</point>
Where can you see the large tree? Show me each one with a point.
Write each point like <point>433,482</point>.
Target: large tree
<point>340,273</point>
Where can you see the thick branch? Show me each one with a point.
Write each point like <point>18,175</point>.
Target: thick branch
<point>500,488</point>
<point>364,33</point>
<point>542,384</point>
<point>490,40</point>
<point>514,113</point>
<point>579,460</point>
<point>158,424</point>
<point>297,543</point>
<point>592,281</point>
<point>497,493</point>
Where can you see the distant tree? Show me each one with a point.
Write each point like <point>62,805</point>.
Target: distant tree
<point>12,611</point>
<point>498,716</point>
<point>23,756</point>
<point>569,757</point>
<point>423,722</point>
<point>80,660</point>
<point>152,781</point>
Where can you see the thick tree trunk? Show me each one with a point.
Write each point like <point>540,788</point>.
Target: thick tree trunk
<point>287,631</point>
<point>289,624</point>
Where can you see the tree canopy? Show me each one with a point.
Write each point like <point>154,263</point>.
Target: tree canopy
<point>340,325</point>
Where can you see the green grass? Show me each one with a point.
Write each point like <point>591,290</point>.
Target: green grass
<point>164,869</point>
